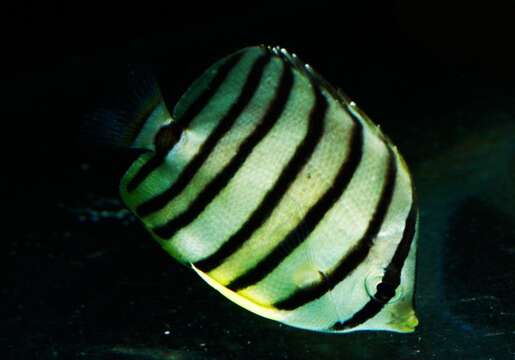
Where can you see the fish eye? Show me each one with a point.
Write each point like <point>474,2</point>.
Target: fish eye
<point>382,291</point>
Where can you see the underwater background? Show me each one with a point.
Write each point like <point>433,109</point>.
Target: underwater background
<point>84,280</point>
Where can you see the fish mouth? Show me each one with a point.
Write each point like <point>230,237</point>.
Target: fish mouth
<point>405,322</point>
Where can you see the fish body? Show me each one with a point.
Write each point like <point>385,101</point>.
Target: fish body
<point>282,195</point>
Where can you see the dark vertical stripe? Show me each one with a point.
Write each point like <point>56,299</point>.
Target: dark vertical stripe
<point>184,121</point>
<point>311,219</point>
<point>359,251</point>
<point>273,196</point>
<point>391,278</point>
<point>272,115</point>
<point>224,125</point>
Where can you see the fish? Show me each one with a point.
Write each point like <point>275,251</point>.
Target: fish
<point>280,193</point>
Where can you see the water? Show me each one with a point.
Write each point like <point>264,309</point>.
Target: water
<point>86,281</point>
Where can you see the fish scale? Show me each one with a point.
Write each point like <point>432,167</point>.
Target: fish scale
<point>283,196</point>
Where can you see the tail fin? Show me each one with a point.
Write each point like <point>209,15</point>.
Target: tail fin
<point>130,120</point>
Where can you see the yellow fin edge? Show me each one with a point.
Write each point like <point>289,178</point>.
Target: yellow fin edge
<point>269,313</point>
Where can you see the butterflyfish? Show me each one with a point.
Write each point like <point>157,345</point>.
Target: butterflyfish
<point>280,193</point>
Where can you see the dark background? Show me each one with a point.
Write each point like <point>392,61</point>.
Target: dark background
<point>83,278</point>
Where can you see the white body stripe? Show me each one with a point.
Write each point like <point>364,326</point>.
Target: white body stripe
<point>227,212</point>
<point>193,137</point>
<point>225,150</point>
